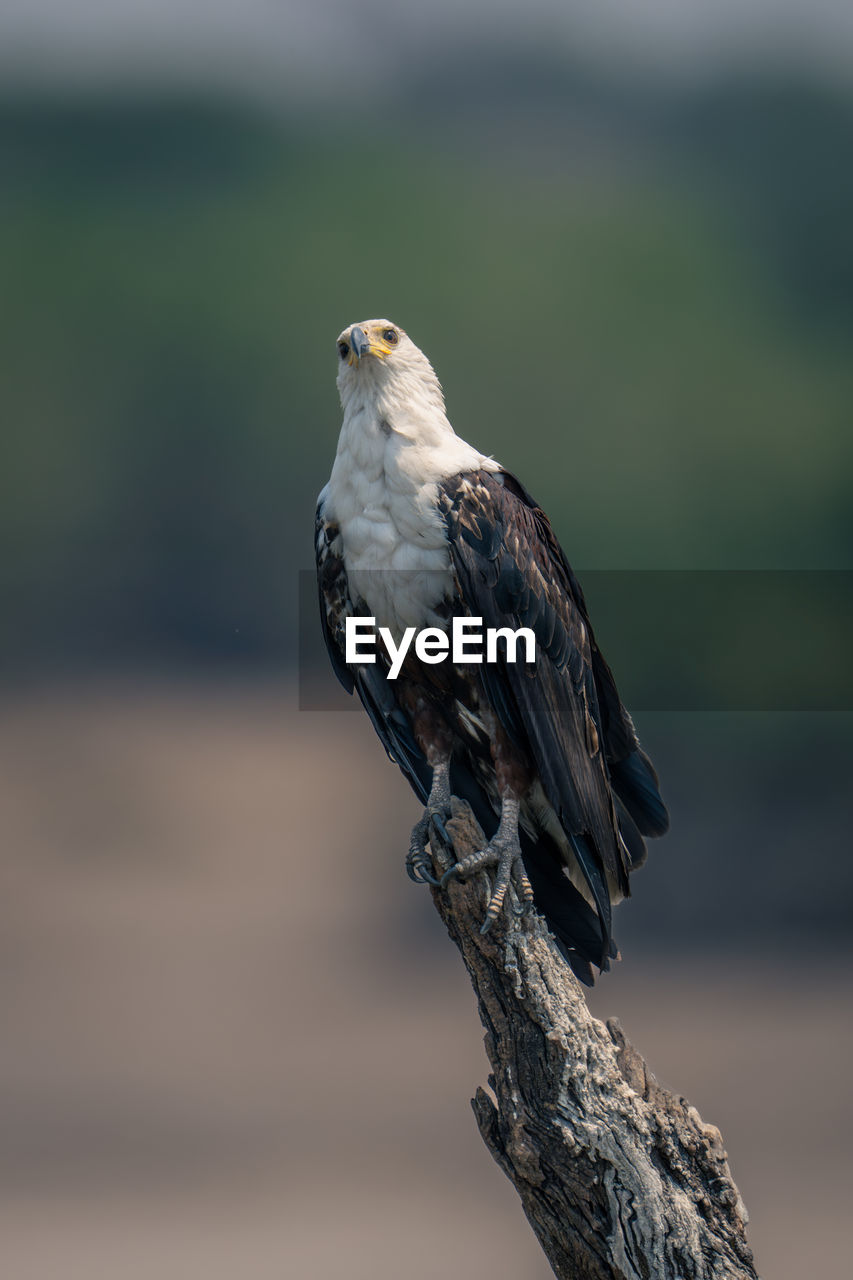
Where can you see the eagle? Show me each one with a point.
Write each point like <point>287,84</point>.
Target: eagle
<point>417,528</point>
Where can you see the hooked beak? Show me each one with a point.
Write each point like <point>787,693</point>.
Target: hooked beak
<point>359,341</point>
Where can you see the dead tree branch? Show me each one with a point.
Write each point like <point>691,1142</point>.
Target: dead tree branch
<point>619,1179</point>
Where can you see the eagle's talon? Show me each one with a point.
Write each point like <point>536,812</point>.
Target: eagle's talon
<point>473,863</point>
<point>438,823</point>
<point>418,873</point>
<point>418,862</point>
<point>452,873</point>
<point>503,852</point>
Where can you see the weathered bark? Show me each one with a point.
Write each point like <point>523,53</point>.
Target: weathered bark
<point>619,1179</point>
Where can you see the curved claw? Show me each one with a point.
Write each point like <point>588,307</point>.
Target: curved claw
<point>452,873</point>
<point>438,823</point>
<point>487,924</point>
<point>418,862</point>
<point>418,871</point>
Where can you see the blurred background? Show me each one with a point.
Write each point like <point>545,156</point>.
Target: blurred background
<point>235,1039</point>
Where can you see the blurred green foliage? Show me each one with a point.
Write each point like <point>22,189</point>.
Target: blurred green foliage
<point>644,307</point>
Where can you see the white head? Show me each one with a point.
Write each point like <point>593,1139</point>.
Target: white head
<point>380,367</point>
<point>396,445</point>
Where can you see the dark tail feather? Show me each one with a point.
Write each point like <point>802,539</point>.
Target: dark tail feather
<point>631,838</point>
<point>636,784</point>
<point>594,877</point>
<point>577,928</point>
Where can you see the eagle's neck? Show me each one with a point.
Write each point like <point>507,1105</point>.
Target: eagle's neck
<point>393,452</point>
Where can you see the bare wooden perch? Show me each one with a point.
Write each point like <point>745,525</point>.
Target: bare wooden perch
<point>619,1179</point>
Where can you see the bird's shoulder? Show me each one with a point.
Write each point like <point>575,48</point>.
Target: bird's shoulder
<point>509,559</point>
<point>500,525</point>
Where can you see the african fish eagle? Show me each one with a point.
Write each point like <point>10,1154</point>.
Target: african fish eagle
<point>415,528</point>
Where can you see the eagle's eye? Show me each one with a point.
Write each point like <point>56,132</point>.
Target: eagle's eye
<point>391,337</point>
<point>343,350</point>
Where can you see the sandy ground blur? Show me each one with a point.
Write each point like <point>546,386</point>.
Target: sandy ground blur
<point>237,1043</point>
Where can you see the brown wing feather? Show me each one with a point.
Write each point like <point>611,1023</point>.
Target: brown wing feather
<point>511,571</point>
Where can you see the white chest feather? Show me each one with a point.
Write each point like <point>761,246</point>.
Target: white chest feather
<point>382,492</point>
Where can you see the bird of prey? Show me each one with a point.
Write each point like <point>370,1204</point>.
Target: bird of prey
<point>415,529</point>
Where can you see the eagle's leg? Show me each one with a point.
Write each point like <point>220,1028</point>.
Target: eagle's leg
<point>504,852</point>
<point>504,849</point>
<point>435,740</point>
<point>418,861</point>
